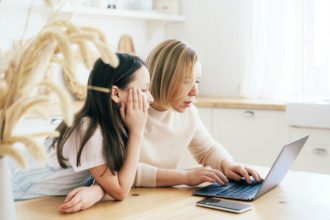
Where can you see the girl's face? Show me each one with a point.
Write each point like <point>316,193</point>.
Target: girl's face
<point>141,82</point>
<point>182,103</point>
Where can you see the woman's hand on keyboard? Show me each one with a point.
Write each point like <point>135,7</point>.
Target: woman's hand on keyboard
<point>236,171</point>
<point>200,175</point>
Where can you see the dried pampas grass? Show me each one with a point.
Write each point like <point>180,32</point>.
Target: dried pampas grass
<point>25,73</point>
<point>67,35</point>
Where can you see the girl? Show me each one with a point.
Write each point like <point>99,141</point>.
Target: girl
<point>104,141</point>
<point>173,123</point>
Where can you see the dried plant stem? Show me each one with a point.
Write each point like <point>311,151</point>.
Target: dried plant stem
<point>66,107</point>
<point>26,71</point>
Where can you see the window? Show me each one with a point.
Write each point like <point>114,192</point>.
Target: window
<point>288,55</point>
<point>315,72</point>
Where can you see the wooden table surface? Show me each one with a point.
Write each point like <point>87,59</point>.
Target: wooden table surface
<point>300,196</point>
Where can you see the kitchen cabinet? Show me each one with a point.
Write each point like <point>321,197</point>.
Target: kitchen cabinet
<point>257,136</point>
<point>314,156</point>
<point>251,136</point>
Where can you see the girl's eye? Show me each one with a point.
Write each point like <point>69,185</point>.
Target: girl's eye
<point>197,81</point>
<point>144,90</point>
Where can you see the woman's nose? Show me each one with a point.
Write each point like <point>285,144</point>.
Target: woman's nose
<point>194,90</point>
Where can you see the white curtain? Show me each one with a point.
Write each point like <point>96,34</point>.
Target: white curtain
<point>316,48</point>
<point>274,53</point>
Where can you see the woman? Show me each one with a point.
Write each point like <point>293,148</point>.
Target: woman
<point>173,123</point>
<point>104,141</point>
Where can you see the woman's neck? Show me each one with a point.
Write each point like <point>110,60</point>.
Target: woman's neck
<point>158,107</point>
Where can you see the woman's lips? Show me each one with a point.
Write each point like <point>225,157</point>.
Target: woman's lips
<point>187,104</point>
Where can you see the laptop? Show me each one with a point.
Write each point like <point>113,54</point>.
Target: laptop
<point>240,190</point>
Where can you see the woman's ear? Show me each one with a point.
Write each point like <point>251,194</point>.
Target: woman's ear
<point>115,94</point>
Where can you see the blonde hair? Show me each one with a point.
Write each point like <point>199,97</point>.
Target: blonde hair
<point>171,65</point>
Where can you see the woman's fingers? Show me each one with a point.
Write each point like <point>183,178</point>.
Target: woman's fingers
<point>256,176</point>
<point>222,177</point>
<point>234,176</point>
<point>208,179</point>
<point>240,170</point>
<point>215,177</point>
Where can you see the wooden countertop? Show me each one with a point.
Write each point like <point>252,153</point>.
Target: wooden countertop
<point>241,103</point>
<point>301,196</point>
<point>210,102</point>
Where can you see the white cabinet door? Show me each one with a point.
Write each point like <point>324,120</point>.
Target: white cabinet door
<point>251,136</point>
<point>314,156</point>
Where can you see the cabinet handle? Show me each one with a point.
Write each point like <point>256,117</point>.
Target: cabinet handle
<point>320,151</point>
<point>248,114</point>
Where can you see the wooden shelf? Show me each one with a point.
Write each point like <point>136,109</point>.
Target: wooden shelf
<point>69,11</point>
<point>145,15</point>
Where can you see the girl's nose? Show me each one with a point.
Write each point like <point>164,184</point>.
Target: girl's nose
<point>150,97</point>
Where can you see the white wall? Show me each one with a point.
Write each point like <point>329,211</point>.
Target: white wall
<point>13,15</point>
<point>218,31</point>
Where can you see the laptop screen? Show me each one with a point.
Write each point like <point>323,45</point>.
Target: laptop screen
<point>281,165</point>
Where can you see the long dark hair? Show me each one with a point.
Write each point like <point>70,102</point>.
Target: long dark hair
<point>101,110</point>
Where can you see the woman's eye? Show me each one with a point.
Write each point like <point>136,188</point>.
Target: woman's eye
<point>144,90</point>
<point>197,81</point>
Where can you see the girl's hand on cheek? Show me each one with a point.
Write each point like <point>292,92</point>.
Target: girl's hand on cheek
<point>136,112</point>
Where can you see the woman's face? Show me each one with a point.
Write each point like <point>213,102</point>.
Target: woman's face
<point>182,103</point>
<point>141,82</point>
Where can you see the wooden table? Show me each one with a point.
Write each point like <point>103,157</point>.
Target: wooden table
<point>300,196</point>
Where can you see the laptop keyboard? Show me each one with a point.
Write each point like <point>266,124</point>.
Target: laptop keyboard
<point>238,190</point>
<point>234,190</point>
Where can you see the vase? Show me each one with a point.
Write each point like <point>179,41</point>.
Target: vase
<point>7,205</point>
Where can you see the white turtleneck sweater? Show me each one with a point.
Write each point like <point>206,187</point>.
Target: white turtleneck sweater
<point>166,134</point>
